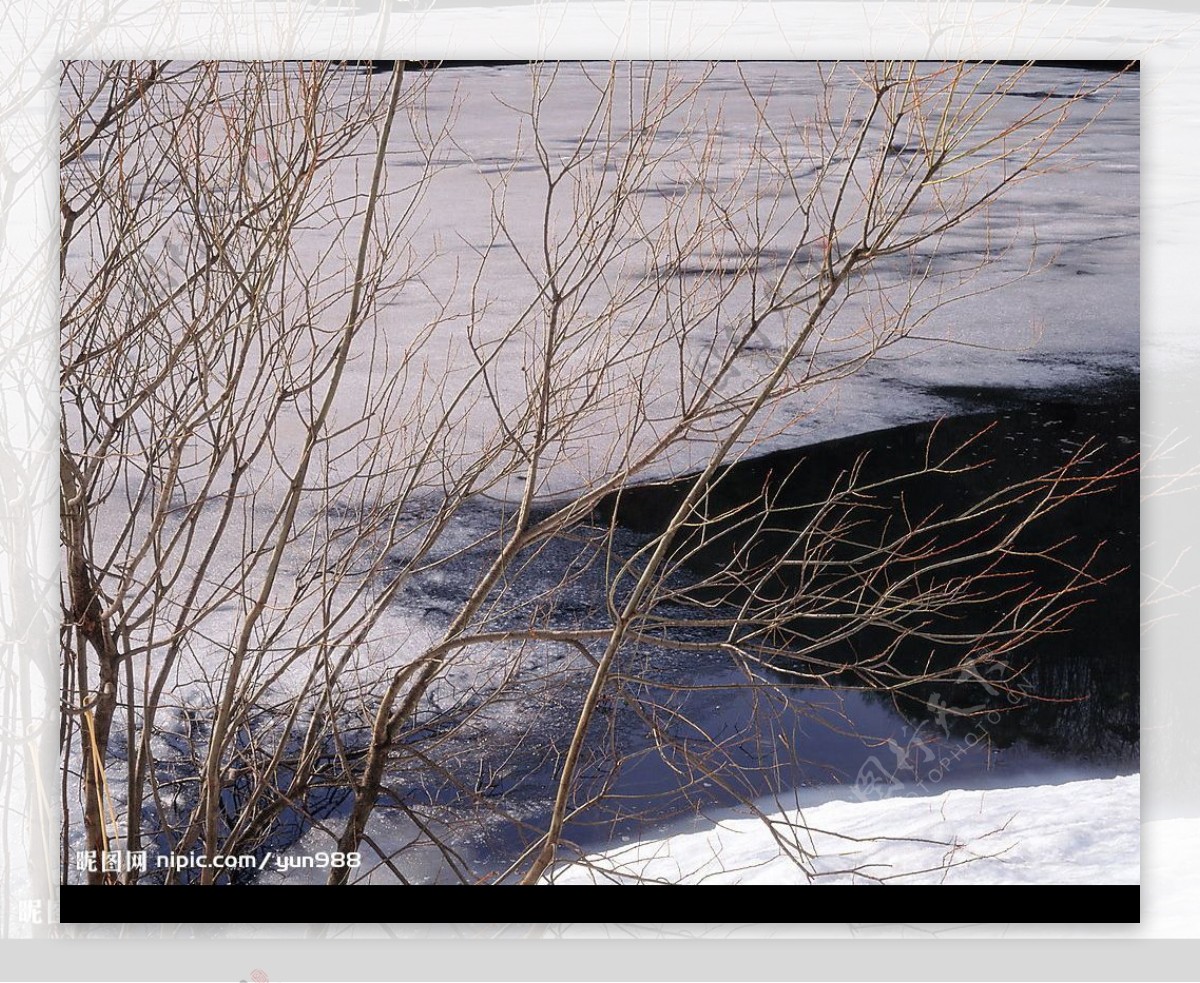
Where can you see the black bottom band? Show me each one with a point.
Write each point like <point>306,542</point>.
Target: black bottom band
<point>1025,904</point>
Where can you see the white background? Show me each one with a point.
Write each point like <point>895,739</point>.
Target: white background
<point>35,34</point>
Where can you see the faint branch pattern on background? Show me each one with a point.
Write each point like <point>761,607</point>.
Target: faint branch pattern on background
<point>30,474</point>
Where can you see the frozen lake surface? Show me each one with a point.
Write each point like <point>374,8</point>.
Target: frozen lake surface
<point>1031,304</point>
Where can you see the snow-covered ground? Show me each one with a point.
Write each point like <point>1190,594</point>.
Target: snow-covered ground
<point>1084,832</point>
<point>1063,314</point>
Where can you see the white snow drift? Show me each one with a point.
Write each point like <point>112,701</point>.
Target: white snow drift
<point>1084,832</point>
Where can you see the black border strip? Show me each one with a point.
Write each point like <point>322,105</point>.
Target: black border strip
<point>267,904</point>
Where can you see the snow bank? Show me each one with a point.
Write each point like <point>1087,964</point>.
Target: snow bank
<point>1084,832</point>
